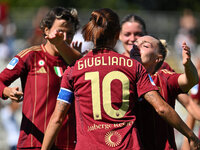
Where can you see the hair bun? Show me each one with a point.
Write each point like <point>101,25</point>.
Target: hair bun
<point>74,12</point>
<point>164,43</point>
<point>99,19</point>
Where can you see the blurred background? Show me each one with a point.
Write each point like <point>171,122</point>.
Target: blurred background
<point>175,21</point>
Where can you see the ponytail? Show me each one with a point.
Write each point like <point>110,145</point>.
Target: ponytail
<point>102,27</point>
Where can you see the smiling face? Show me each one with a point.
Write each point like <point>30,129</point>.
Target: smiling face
<point>148,47</point>
<point>130,32</point>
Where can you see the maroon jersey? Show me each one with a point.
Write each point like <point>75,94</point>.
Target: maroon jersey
<point>166,66</point>
<point>106,86</point>
<point>155,132</point>
<point>40,75</point>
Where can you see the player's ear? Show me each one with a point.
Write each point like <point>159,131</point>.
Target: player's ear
<point>159,58</point>
<point>46,31</point>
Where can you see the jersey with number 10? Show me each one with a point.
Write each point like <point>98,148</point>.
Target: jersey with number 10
<point>106,86</point>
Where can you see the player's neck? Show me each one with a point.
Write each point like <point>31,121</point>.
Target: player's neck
<point>150,69</point>
<point>126,53</point>
<point>51,49</point>
<point>109,44</point>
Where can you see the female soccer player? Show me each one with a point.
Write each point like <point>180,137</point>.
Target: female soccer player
<point>132,27</point>
<point>195,97</point>
<point>40,69</point>
<point>170,85</point>
<point>106,86</point>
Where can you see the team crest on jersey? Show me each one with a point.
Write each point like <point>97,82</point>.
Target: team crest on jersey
<point>113,138</point>
<point>13,63</point>
<point>41,63</point>
<point>58,71</point>
<point>195,89</point>
<point>151,80</point>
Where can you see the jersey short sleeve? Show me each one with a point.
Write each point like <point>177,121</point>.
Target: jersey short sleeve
<point>144,81</point>
<point>66,92</point>
<point>166,66</point>
<point>173,82</point>
<point>13,70</point>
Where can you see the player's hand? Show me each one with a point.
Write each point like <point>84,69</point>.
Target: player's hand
<point>56,37</point>
<point>13,93</point>
<point>135,53</point>
<point>194,143</point>
<point>77,45</point>
<point>186,54</point>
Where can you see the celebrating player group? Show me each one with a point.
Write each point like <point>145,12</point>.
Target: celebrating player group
<point>102,99</point>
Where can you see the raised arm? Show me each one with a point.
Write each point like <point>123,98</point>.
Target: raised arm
<point>68,53</point>
<point>170,116</point>
<point>190,77</point>
<point>55,124</point>
<point>192,107</point>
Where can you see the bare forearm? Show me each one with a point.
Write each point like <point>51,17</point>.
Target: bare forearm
<point>189,78</point>
<point>50,134</point>
<point>194,110</point>
<point>55,124</point>
<point>175,121</point>
<point>168,113</point>
<point>192,107</point>
<point>68,53</point>
<point>190,123</point>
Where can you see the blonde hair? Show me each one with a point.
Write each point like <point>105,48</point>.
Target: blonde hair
<point>164,43</point>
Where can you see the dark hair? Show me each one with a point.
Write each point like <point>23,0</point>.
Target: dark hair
<point>68,14</point>
<point>134,18</point>
<point>103,26</point>
<point>162,49</point>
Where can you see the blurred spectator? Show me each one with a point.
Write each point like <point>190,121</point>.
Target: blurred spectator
<point>36,35</point>
<point>3,11</point>
<point>7,28</point>
<point>4,50</point>
<point>10,124</point>
<point>9,34</point>
<point>186,32</point>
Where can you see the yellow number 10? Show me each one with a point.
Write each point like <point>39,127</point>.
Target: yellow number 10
<point>106,91</point>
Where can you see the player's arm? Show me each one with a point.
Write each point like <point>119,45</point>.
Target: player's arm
<point>55,124</point>
<point>68,53</point>
<point>190,77</point>
<point>13,93</point>
<point>13,71</point>
<point>190,121</point>
<point>64,100</point>
<point>170,116</point>
<point>192,107</point>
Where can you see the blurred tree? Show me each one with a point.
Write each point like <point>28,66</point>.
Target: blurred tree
<point>175,5</point>
<point>114,4</point>
<point>24,3</point>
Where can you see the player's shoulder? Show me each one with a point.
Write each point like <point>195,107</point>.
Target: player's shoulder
<point>29,50</point>
<point>165,72</point>
<point>165,65</point>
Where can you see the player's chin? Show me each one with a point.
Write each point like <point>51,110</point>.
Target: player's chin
<point>129,47</point>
